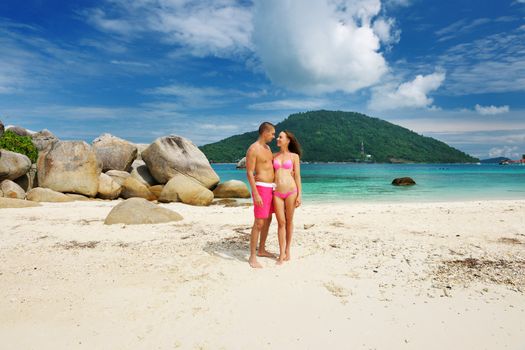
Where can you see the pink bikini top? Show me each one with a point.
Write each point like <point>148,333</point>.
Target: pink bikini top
<point>287,164</point>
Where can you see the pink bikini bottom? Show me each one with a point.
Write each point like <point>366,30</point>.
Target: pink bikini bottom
<point>284,195</point>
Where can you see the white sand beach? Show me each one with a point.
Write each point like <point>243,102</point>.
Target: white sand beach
<point>362,276</point>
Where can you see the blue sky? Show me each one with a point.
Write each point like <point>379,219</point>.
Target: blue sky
<point>205,70</point>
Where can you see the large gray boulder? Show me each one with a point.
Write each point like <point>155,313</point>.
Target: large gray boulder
<point>40,194</point>
<point>134,188</point>
<point>114,152</point>
<point>11,189</point>
<point>172,155</point>
<point>118,175</point>
<point>141,172</point>
<point>136,211</point>
<point>241,164</point>
<point>16,203</point>
<point>13,165</point>
<point>187,190</point>
<point>232,189</point>
<point>29,180</point>
<point>20,131</point>
<point>69,166</point>
<point>44,140</point>
<point>108,188</point>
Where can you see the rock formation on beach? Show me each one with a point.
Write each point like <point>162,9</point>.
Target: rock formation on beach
<point>136,211</point>
<point>232,189</point>
<point>171,169</point>
<point>114,153</point>
<point>241,164</point>
<point>13,165</point>
<point>16,203</point>
<point>108,188</point>
<point>141,172</point>
<point>172,155</point>
<point>43,140</point>
<point>187,190</point>
<point>41,194</point>
<point>11,189</point>
<point>70,166</point>
<point>19,130</point>
<point>134,188</point>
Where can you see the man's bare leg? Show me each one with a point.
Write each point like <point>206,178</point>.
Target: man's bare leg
<point>262,244</point>
<point>254,237</point>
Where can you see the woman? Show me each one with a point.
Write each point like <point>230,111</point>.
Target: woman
<point>287,194</point>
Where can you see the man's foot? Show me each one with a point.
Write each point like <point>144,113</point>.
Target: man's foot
<point>254,263</point>
<point>287,257</point>
<point>265,254</point>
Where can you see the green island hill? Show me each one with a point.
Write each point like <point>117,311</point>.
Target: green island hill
<point>336,136</point>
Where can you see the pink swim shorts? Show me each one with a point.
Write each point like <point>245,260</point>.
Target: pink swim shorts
<point>266,192</point>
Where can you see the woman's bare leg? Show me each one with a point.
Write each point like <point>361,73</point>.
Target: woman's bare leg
<point>289,206</point>
<point>278,205</point>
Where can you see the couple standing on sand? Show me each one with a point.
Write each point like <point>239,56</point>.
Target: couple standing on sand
<point>275,180</point>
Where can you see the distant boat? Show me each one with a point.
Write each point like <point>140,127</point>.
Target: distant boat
<point>514,162</point>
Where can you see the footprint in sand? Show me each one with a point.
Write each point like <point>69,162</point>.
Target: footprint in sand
<point>338,291</point>
<point>337,224</point>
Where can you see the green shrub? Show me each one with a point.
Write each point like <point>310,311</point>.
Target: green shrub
<point>19,144</point>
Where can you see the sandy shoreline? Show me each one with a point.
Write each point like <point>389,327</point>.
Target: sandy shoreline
<point>363,276</point>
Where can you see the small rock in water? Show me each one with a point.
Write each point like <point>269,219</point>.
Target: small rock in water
<point>403,181</point>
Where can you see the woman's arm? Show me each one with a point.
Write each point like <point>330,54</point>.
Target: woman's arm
<point>297,176</point>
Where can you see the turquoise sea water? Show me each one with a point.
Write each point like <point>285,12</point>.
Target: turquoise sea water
<point>335,182</point>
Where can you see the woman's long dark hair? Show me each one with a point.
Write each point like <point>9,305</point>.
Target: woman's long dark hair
<point>294,145</point>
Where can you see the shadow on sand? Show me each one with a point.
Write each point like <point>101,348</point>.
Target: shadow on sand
<point>236,247</point>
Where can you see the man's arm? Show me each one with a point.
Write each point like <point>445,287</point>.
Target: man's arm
<point>250,169</point>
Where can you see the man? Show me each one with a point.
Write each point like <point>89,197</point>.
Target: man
<point>259,164</point>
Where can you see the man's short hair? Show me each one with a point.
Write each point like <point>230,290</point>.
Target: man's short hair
<point>265,127</point>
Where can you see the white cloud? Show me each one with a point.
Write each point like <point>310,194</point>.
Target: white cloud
<point>30,61</point>
<point>130,63</point>
<point>384,29</point>
<point>317,46</point>
<point>320,46</point>
<point>12,77</point>
<point>189,96</point>
<point>504,151</point>
<point>216,27</point>
<point>288,104</point>
<point>491,110</point>
<point>412,94</point>
<point>461,27</point>
<point>225,127</point>
<point>99,18</point>
<point>485,65</point>
<point>187,91</point>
